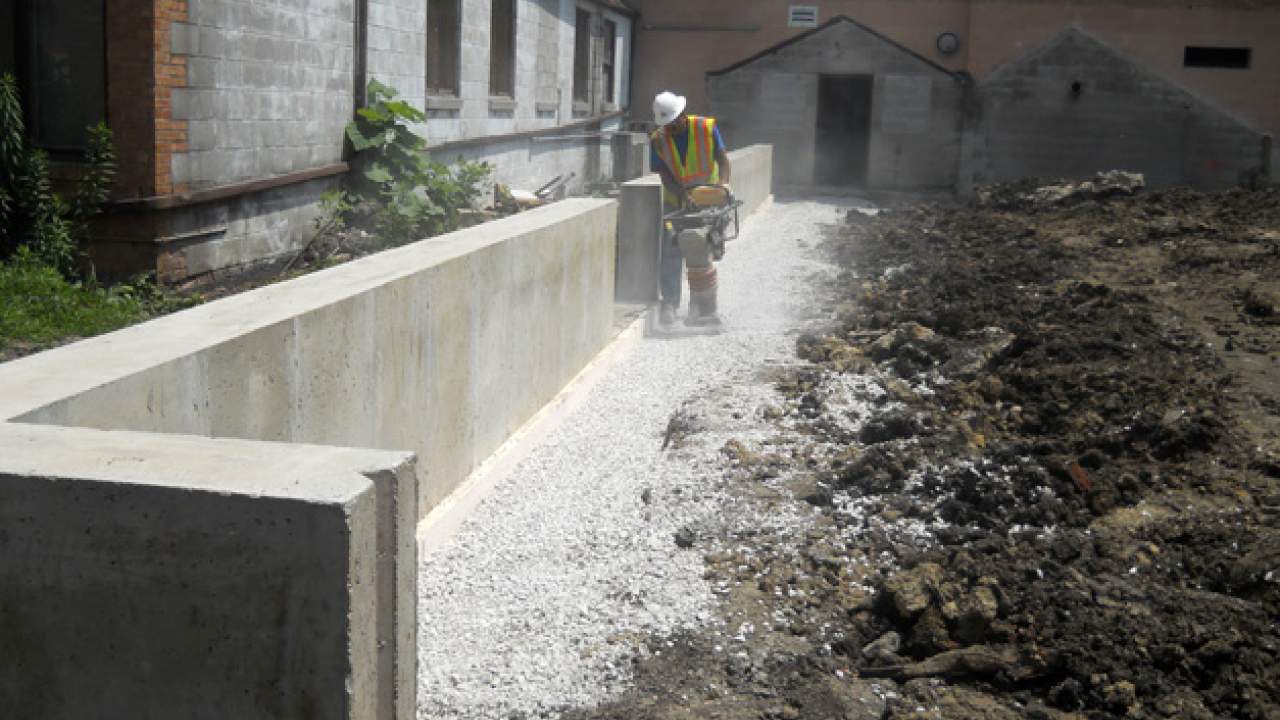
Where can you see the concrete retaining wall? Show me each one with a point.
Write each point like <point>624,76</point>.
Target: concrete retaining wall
<point>159,576</point>
<point>444,347</point>
<point>640,219</point>
<point>149,572</point>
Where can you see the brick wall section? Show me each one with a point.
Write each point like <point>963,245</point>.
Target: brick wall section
<point>170,75</point>
<point>269,88</point>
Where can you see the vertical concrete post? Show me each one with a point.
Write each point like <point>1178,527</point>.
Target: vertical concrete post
<point>639,237</point>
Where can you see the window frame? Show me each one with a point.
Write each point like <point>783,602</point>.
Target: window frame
<point>609,61</point>
<point>1216,57</point>
<point>23,21</point>
<point>582,56</point>
<point>497,66</point>
<point>450,87</point>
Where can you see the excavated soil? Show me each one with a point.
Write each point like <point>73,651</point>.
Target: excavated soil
<point>1039,439</point>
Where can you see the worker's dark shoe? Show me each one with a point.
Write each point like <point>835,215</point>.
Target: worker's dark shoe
<point>666,314</point>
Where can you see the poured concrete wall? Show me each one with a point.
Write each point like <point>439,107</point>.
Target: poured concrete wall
<point>1075,106</point>
<point>146,571</point>
<point>443,347</point>
<point>153,576</point>
<point>640,219</point>
<point>915,107</point>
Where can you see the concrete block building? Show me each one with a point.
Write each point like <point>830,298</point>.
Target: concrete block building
<point>229,114</point>
<point>938,94</point>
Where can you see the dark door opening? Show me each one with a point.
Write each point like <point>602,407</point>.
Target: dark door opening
<point>844,130</point>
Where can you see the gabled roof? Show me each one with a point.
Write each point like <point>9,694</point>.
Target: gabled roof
<point>829,24</point>
<point>1074,33</point>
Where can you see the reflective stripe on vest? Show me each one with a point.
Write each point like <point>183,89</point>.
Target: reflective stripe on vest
<point>699,165</point>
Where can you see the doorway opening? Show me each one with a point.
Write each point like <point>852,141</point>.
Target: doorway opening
<point>844,130</point>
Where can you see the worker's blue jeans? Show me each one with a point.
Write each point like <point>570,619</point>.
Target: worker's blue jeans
<point>670,270</point>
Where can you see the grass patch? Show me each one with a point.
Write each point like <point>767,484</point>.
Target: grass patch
<point>39,308</point>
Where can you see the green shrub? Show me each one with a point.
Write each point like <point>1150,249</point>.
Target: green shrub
<point>409,195</point>
<point>32,215</point>
<point>39,306</point>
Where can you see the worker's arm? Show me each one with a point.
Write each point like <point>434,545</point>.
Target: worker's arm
<point>726,167</point>
<point>670,183</point>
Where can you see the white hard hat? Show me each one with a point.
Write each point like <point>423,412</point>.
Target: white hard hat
<point>667,106</point>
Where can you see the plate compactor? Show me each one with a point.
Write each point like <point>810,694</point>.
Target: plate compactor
<point>701,228</point>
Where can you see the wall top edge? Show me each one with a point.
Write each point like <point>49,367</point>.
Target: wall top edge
<point>35,381</point>
<point>306,473</point>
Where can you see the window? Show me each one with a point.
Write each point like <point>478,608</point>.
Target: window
<point>582,57</point>
<point>57,51</point>
<point>610,54</point>
<point>1216,57</point>
<point>502,49</point>
<point>804,16</point>
<point>444,31</point>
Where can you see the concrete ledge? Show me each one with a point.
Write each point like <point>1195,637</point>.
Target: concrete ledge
<point>162,576</point>
<point>444,347</point>
<point>146,571</point>
<point>640,219</point>
<point>752,176</point>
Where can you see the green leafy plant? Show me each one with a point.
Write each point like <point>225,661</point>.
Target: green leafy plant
<point>32,215</point>
<point>38,306</point>
<point>409,195</point>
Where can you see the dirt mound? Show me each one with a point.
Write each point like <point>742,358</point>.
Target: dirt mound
<point>1063,500</point>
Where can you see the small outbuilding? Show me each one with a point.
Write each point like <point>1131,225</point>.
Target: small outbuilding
<point>1075,106</point>
<point>844,105</point>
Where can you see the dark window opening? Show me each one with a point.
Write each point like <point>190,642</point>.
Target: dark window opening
<point>1216,57</point>
<point>843,139</point>
<point>56,50</point>
<point>502,49</point>
<point>582,57</point>
<point>444,33</point>
<point>610,51</point>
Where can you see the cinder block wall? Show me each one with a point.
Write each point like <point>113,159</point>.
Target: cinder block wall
<point>543,98</point>
<point>268,88</point>
<point>774,100</point>
<point>1030,122</point>
<point>397,43</point>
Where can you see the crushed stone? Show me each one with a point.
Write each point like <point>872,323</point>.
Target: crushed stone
<point>543,595</point>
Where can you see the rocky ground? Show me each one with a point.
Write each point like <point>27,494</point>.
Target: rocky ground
<point>1036,440</point>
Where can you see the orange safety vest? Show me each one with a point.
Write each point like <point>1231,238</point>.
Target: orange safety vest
<point>698,166</point>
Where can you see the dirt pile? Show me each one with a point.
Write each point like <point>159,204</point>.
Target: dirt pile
<point>1055,490</point>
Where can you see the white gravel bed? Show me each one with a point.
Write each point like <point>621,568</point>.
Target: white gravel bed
<point>536,604</point>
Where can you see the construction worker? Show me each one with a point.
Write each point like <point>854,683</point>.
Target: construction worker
<point>686,150</point>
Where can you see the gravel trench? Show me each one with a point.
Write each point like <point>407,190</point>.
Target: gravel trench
<point>536,604</point>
